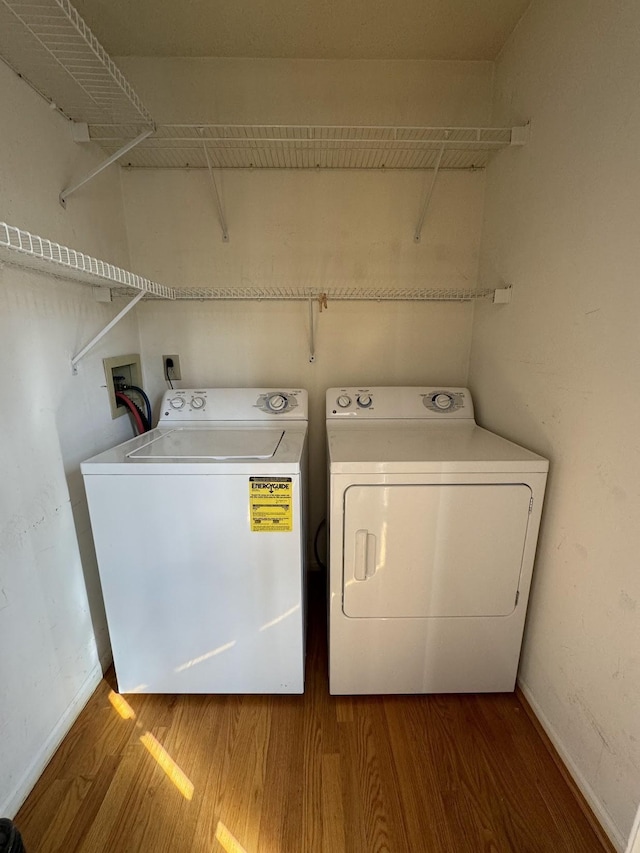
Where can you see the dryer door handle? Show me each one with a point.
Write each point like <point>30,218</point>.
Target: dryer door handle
<point>365,555</point>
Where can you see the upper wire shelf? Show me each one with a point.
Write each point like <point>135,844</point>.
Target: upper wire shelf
<point>22,248</point>
<point>179,146</point>
<point>48,44</point>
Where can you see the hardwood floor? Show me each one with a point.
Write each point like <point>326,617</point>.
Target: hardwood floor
<point>299,774</point>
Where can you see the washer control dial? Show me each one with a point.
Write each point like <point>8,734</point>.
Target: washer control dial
<point>344,401</point>
<point>443,401</point>
<point>176,402</point>
<point>277,402</point>
<point>197,402</point>
<point>365,401</point>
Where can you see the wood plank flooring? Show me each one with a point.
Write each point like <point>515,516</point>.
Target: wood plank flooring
<point>300,774</point>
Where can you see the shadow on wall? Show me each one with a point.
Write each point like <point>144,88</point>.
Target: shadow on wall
<point>89,564</point>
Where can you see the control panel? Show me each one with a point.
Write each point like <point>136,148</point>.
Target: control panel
<point>241,404</point>
<point>361,400</point>
<point>277,402</point>
<point>399,403</point>
<point>192,401</point>
<point>444,401</point>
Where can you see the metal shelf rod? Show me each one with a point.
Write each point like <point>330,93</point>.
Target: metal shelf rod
<point>85,349</point>
<point>64,195</point>
<point>427,200</point>
<point>221,216</point>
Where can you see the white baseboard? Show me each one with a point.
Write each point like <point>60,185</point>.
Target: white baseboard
<point>597,808</point>
<point>10,807</point>
<point>634,839</point>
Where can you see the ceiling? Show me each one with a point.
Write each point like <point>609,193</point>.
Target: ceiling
<point>304,29</point>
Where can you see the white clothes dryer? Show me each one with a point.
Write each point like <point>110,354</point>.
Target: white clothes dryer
<point>199,534</point>
<point>433,524</point>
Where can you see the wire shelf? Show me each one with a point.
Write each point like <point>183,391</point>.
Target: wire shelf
<point>21,248</point>
<point>340,294</point>
<point>179,146</point>
<point>26,249</point>
<point>49,44</point>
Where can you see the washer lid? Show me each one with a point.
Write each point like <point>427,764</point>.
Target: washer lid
<point>219,448</point>
<point>214,444</point>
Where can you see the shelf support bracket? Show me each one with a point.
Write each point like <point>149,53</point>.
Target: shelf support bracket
<point>322,304</point>
<point>76,358</point>
<point>64,195</point>
<point>312,336</point>
<point>429,193</point>
<point>502,295</point>
<point>216,194</point>
<point>520,135</point>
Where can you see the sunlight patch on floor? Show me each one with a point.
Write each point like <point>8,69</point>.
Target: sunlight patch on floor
<point>122,706</point>
<point>175,774</point>
<point>227,840</point>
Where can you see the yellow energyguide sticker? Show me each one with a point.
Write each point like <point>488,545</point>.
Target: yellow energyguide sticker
<point>271,504</point>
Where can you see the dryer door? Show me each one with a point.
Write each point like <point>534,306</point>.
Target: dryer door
<point>433,550</point>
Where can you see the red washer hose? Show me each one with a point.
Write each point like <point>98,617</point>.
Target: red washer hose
<point>128,402</point>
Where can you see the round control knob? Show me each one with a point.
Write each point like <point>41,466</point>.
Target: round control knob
<point>364,401</point>
<point>344,401</point>
<point>277,402</point>
<point>197,402</point>
<point>443,401</point>
<point>177,402</point>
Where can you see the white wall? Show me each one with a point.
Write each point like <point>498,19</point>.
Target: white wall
<point>52,627</point>
<point>559,368</point>
<point>319,229</point>
<point>305,91</point>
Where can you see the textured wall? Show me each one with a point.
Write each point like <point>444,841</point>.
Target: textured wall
<point>558,370</point>
<point>52,627</point>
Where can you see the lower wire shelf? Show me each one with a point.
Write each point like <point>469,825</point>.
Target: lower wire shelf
<point>22,248</point>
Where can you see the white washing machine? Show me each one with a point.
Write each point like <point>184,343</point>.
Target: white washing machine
<point>433,524</point>
<point>199,533</point>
